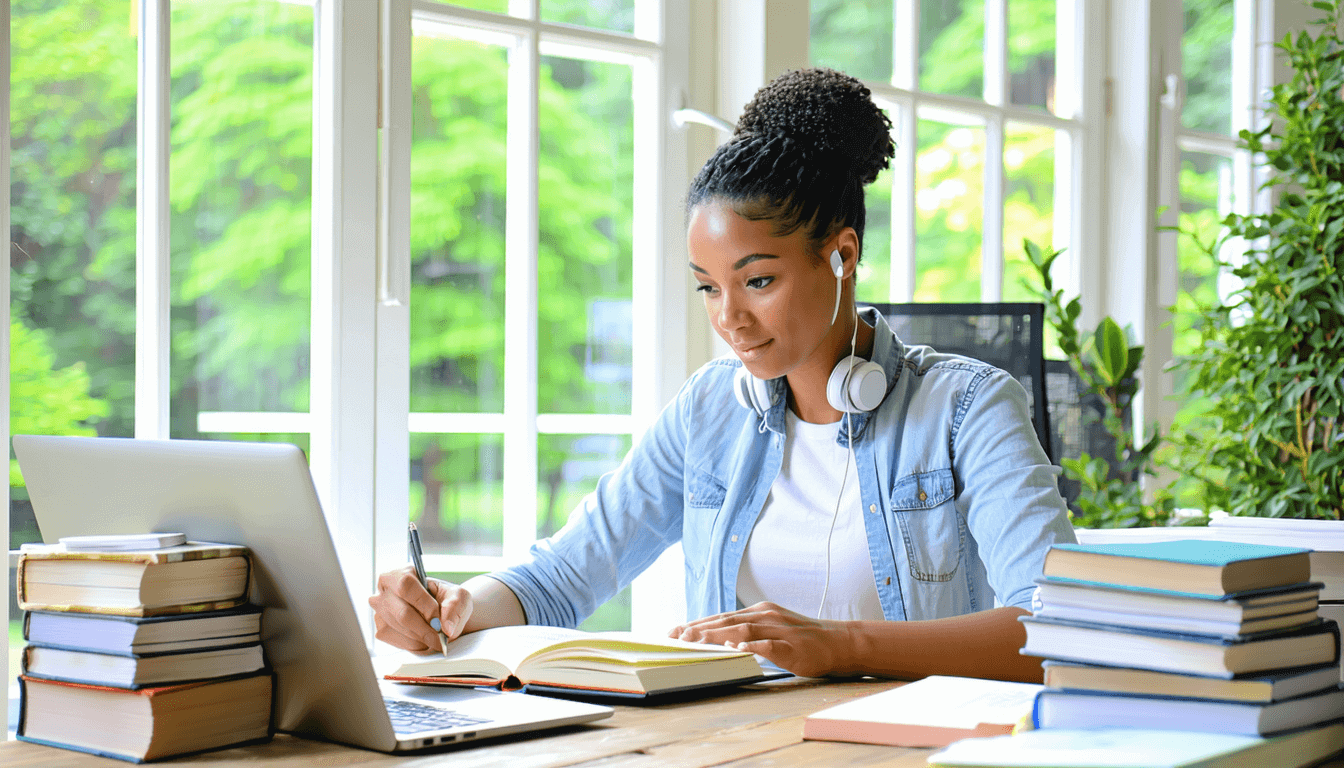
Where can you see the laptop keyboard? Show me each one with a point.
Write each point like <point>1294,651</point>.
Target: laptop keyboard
<point>411,717</point>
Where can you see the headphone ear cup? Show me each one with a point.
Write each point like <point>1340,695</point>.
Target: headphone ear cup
<point>751,392</point>
<point>856,385</point>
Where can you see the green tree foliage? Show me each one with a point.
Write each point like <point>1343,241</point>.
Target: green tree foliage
<point>55,400</point>
<point>1270,364</point>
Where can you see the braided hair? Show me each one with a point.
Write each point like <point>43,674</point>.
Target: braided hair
<point>806,145</point>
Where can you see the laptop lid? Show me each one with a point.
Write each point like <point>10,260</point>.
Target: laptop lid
<point>257,494</point>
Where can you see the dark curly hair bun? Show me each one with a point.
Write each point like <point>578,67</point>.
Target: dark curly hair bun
<point>827,112</point>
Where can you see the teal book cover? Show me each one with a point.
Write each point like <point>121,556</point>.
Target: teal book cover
<point>1192,551</point>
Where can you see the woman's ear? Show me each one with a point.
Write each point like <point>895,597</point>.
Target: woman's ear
<point>847,243</point>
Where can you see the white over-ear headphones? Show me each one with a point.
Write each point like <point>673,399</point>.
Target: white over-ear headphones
<point>855,386</point>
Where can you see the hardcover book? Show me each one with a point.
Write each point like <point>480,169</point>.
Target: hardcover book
<point>147,724</point>
<point>1198,566</point>
<point>1209,655</point>
<point>137,634</point>
<point>1263,687</point>
<point>1082,709</point>
<point>196,576</point>
<point>139,670</point>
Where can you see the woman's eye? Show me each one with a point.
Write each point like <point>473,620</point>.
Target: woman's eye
<point>703,288</point>
<point>759,282</point>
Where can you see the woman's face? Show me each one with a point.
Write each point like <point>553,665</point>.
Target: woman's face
<point>769,297</point>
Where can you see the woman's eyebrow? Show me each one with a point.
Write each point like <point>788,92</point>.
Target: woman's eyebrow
<point>740,263</point>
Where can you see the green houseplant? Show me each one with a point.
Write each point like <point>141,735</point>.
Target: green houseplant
<point>1109,492</point>
<point>1271,362</point>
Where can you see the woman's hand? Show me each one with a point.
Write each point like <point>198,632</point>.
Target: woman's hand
<point>804,646</point>
<point>402,610</point>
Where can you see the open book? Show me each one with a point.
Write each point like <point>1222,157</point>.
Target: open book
<point>556,660</point>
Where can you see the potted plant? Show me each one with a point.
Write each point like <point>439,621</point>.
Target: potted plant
<point>1271,362</point>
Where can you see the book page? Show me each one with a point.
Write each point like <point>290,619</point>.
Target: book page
<point>508,649</point>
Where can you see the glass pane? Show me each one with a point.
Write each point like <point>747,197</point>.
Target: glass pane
<point>1206,197</point>
<point>496,6</point>
<point>1028,203</point>
<point>457,493</point>
<point>568,467</point>
<point>874,275</point>
<point>72,235</point>
<point>855,38</point>
<point>952,47</point>
<point>459,94</point>
<point>1031,53</point>
<point>586,198</point>
<point>241,223</point>
<point>1206,59</point>
<point>612,15</point>
<point>949,211</point>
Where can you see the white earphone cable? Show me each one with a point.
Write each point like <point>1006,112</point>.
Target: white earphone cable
<point>849,454</point>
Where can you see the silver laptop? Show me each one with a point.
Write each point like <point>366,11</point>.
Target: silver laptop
<point>262,495</point>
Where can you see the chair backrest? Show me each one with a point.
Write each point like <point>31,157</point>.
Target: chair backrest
<point>1076,415</point>
<point>1007,335</point>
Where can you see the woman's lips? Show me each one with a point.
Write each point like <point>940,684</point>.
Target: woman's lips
<point>754,351</point>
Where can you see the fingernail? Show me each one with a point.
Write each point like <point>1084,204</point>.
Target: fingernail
<point>434,624</point>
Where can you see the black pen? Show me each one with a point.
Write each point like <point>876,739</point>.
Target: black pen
<point>418,560</point>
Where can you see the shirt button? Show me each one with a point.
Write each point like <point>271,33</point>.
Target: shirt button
<point>734,537</point>
<point>923,496</point>
<point>872,508</point>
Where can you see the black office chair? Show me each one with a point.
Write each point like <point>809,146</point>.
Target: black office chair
<point>1076,415</point>
<point>1007,335</point>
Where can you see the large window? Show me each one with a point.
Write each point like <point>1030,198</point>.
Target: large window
<point>508,282</point>
<point>984,128</point>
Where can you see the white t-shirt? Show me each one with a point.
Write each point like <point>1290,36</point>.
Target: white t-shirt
<point>785,558</point>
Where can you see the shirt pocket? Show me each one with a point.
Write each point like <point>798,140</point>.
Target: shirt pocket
<point>705,494</point>
<point>925,507</point>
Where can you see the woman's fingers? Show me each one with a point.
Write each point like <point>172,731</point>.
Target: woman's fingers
<point>402,609</point>
<point>455,607</point>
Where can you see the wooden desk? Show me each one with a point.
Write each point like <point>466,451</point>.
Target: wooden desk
<point>760,725</point>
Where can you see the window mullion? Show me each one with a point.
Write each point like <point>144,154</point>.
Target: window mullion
<point>905,75</point>
<point>520,299</point>
<point>996,94</point>
<point>393,386</point>
<point>344,282</point>
<point>991,247</point>
<point>153,282</point>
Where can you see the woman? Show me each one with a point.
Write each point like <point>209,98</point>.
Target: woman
<point>847,504</point>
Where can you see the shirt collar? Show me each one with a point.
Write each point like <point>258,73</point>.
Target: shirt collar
<point>887,352</point>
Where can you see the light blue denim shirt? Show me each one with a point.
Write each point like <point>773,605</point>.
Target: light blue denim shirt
<point>960,502</point>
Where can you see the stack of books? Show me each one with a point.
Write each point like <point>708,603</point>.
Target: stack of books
<point>1196,635</point>
<point>140,647</point>
<point>1325,539</point>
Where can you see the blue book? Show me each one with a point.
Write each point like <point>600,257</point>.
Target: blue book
<point>1194,566</point>
<point>1085,709</point>
<point>1186,653</point>
<point>1263,687</point>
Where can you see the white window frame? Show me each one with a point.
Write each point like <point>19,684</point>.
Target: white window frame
<point>658,69</point>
